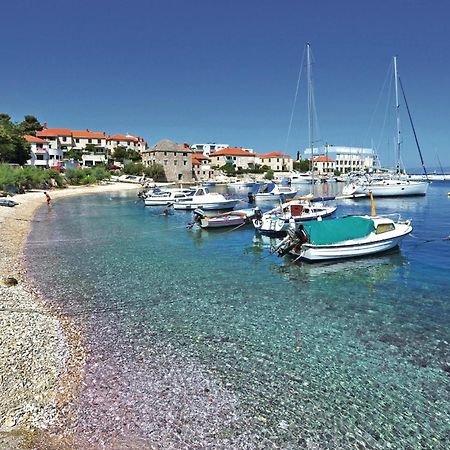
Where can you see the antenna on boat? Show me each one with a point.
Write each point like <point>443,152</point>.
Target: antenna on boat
<point>310,111</point>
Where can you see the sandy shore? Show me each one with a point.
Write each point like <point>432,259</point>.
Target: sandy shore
<point>40,352</point>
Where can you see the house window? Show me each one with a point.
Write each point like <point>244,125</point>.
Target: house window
<point>184,163</point>
<point>217,158</point>
<point>77,140</point>
<point>99,141</point>
<point>90,141</point>
<point>64,139</point>
<point>40,157</point>
<point>165,153</point>
<point>184,154</point>
<point>166,162</point>
<point>175,162</point>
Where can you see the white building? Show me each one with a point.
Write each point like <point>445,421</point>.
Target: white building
<point>91,160</point>
<point>347,159</point>
<point>57,138</point>
<point>324,165</point>
<point>277,161</point>
<point>42,155</point>
<point>238,157</point>
<point>128,141</point>
<point>207,149</point>
<point>83,138</point>
<point>201,167</point>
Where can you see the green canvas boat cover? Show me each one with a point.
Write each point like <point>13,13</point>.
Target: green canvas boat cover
<point>327,232</point>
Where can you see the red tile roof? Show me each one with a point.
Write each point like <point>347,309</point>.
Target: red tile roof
<point>232,151</point>
<point>195,162</point>
<point>88,134</point>
<point>200,156</point>
<point>34,139</point>
<point>53,132</point>
<point>323,159</point>
<point>124,137</point>
<point>274,155</point>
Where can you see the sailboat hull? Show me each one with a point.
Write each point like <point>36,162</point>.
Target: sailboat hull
<point>391,188</point>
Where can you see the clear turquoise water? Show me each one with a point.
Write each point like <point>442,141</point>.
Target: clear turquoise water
<point>348,355</point>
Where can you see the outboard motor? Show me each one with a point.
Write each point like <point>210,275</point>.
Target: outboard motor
<point>251,197</point>
<point>257,213</point>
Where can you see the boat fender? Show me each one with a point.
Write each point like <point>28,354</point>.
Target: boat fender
<point>257,222</point>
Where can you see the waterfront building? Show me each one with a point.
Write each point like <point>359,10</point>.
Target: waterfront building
<point>57,138</point>
<point>201,167</point>
<point>276,161</point>
<point>41,154</point>
<point>92,159</point>
<point>128,141</point>
<point>238,157</point>
<point>347,159</point>
<point>87,139</point>
<point>176,160</point>
<point>324,165</point>
<point>207,149</point>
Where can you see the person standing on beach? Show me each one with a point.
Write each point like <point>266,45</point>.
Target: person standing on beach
<point>49,199</point>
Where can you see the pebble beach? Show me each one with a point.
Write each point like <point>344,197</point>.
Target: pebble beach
<point>41,351</point>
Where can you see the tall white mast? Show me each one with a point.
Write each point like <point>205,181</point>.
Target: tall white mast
<point>397,110</point>
<point>310,109</point>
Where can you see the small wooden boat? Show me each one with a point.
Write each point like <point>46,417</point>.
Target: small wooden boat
<point>229,219</point>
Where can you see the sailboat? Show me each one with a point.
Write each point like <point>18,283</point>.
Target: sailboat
<point>279,220</point>
<point>397,184</point>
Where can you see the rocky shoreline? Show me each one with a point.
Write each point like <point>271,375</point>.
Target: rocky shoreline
<point>41,351</point>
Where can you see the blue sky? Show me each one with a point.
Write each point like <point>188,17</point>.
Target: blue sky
<point>210,71</point>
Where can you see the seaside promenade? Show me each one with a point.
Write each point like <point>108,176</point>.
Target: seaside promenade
<point>41,353</point>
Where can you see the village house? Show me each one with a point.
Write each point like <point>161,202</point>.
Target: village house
<point>176,159</point>
<point>57,138</point>
<point>84,138</point>
<point>276,161</point>
<point>238,157</point>
<point>128,141</point>
<point>201,167</point>
<point>41,154</point>
<point>324,165</point>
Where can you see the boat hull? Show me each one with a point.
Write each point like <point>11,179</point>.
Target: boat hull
<point>272,197</point>
<point>213,206</point>
<point>315,253</point>
<point>389,190</point>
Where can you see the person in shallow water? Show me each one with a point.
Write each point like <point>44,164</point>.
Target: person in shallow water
<point>49,199</point>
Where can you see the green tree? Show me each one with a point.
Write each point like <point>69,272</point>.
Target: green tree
<point>269,175</point>
<point>30,125</point>
<point>228,169</point>
<point>302,166</point>
<point>122,154</point>
<point>155,171</point>
<point>73,154</point>
<point>13,147</point>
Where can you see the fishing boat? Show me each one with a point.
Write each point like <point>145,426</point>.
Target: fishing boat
<point>228,219</point>
<point>272,191</point>
<point>277,221</point>
<point>203,199</point>
<point>396,184</point>
<point>158,197</point>
<point>344,237</point>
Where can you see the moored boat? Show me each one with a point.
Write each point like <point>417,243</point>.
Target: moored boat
<point>203,199</point>
<point>345,237</point>
<point>229,219</point>
<point>272,191</point>
<point>277,221</point>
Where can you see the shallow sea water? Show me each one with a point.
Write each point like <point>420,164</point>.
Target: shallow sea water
<point>354,354</point>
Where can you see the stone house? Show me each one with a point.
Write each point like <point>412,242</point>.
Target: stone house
<point>176,160</point>
<point>238,157</point>
<point>277,161</point>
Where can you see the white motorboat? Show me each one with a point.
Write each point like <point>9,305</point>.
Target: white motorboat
<point>277,221</point>
<point>302,178</point>
<point>345,237</point>
<point>241,184</point>
<point>272,191</point>
<point>158,197</point>
<point>203,199</point>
